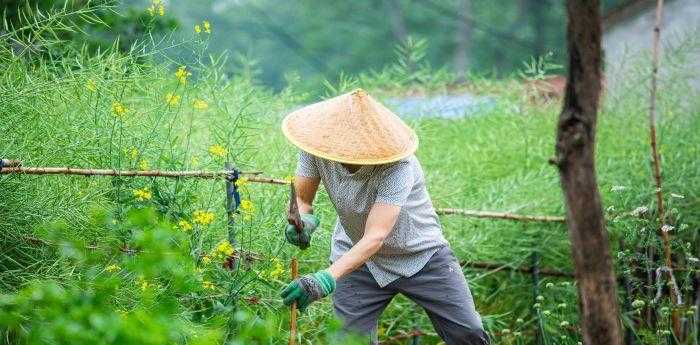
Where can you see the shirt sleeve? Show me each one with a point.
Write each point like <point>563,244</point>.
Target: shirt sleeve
<point>395,184</point>
<point>307,165</point>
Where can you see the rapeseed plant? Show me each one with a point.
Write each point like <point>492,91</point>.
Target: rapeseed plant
<point>224,248</point>
<point>156,7</point>
<point>184,225</point>
<point>218,151</point>
<point>200,104</point>
<point>181,74</point>
<point>241,182</point>
<point>132,152</point>
<point>142,194</point>
<point>172,99</point>
<point>118,109</point>
<point>203,217</point>
<point>144,165</point>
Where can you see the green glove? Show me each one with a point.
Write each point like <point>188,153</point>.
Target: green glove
<point>302,239</point>
<point>309,288</point>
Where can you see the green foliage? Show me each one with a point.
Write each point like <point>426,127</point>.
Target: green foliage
<point>117,260</point>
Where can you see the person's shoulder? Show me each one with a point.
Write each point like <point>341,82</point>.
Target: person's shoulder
<point>403,166</point>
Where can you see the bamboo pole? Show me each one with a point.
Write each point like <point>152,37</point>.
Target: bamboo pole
<point>496,266</point>
<point>251,176</point>
<point>293,310</point>
<point>656,165</point>
<point>500,215</point>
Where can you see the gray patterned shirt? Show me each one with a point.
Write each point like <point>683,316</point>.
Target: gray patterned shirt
<point>417,234</point>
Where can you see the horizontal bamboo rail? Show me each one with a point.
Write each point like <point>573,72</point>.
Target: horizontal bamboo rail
<point>14,167</point>
<point>251,176</point>
<point>500,215</point>
<point>524,269</point>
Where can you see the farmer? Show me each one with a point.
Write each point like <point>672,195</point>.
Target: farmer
<point>387,238</point>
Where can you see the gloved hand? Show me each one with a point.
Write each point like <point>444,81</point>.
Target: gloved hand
<point>302,239</point>
<point>308,288</point>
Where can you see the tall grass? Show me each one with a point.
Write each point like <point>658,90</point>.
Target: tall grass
<point>67,112</point>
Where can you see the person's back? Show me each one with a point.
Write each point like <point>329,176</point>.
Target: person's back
<point>387,238</point>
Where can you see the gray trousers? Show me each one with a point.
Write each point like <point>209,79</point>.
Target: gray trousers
<point>439,288</point>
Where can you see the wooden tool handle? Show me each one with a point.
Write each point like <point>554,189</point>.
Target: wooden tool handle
<point>293,312</point>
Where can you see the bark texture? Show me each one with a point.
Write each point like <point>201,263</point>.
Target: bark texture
<point>575,159</point>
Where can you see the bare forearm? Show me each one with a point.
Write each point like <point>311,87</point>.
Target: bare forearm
<point>356,256</point>
<point>304,207</point>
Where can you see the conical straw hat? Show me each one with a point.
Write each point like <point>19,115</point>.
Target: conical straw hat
<point>352,128</point>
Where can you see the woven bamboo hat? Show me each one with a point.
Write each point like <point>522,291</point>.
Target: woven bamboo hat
<point>352,128</point>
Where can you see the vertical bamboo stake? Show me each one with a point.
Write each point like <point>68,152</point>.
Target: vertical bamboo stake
<point>293,311</point>
<point>231,204</point>
<point>657,165</point>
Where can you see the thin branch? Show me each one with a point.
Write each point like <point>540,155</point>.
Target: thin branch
<point>501,266</point>
<point>656,165</point>
<point>251,176</point>
<point>500,215</point>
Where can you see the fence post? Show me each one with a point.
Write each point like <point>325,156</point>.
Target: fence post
<point>536,293</point>
<point>233,199</point>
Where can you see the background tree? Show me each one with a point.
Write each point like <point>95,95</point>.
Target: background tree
<point>575,158</point>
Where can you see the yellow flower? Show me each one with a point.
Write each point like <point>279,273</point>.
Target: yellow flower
<point>142,194</point>
<point>200,104</point>
<point>144,284</point>
<point>247,206</point>
<point>217,151</point>
<point>277,270</point>
<point>224,247</point>
<point>181,74</point>
<point>132,152</point>
<point>118,109</point>
<point>206,259</point>
<point>143,165</point>
<point>208,285</point>
<point>112,268</point>
<point>242,181</point>
<point>184,225</point>
<point>289,178</point>
<point>172,100</point>
<point>203,217</point>
<point>207,26</point>
<point>90,85</point>
<point>197,28</point>
<point>156,6</point>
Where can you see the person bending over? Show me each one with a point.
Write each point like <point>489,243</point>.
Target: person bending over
<point>387,238</point>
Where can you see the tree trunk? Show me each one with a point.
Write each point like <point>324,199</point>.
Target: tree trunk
<point>575,149</point>
<point>396,17</point>
<point>538,8</point>
<point>463,39</point>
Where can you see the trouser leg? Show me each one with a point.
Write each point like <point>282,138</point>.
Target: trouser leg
<point>358,301</point>
<point>442,290</point>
